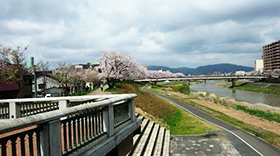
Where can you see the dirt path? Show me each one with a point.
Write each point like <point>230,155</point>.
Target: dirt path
<point>239,115</point>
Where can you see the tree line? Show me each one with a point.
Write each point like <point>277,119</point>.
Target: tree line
<point>114,66</point>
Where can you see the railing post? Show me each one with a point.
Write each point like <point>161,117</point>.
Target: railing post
<point>51,139</point>
<point>14,110</point>
<point>62,104</point>
<point>131,109</point>
<point>108,118</point>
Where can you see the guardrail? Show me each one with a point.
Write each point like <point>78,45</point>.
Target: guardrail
<point>16,108</point>
<point>61,126</point>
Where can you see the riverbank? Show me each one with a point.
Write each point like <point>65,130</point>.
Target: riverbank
<point>260,87</point>
<point>164,113</point>
<point>225,109</point>
<point>251,123</point>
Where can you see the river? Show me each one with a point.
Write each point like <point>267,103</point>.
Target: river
<point>252,97</point>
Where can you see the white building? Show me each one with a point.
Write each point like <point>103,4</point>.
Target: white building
<point>258,65</point>
<point>43,83</point>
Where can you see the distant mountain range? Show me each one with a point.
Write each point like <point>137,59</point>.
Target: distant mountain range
<point>208,69</point>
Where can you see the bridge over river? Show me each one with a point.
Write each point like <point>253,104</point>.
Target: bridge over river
<point>231,78</point>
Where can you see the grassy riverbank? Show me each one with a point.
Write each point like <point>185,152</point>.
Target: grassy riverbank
<point>268,115</point>
<point>267,88</point>
<point>182,123</point>
<point>241,114</point>
<point>178,121</point>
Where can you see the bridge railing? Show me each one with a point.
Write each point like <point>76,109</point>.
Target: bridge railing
<point>203,77</point>
<point>65,129</point>
<point>17,108</point>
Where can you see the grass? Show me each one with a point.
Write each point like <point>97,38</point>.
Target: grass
<point>177,120</point>
<point>260,89</point>
<point>266,115</point>
<point>184,123</point>
<point>181,88</point>
<point>254,87</point>
<point>268,136</point>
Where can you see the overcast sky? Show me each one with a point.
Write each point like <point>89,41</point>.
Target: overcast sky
<point>179,33</point>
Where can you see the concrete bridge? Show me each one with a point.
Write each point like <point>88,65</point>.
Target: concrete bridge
<point>84,125</point>
<point>231,78</point>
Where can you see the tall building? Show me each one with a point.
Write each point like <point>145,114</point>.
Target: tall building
<point>271,56</point>
<point>258,65</point>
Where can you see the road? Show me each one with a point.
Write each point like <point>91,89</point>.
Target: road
<point>259,146</point>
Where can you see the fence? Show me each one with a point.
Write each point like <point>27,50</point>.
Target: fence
<point>62,126</point>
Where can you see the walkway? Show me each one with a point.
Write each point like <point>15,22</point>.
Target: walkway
<point>257,145</point>
<point>99,92</point>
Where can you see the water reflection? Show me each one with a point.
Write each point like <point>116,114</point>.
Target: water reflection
<point>252,97</point>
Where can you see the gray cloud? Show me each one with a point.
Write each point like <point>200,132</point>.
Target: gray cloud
<point>175,34</point>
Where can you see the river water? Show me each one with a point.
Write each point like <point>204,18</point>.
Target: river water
<point>251,97</point>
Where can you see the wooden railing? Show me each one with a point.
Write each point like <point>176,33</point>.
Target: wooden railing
<point>57,128</point>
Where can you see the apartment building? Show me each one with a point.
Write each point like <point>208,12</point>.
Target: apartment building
<point>271,56</point>
<point>258,65</point>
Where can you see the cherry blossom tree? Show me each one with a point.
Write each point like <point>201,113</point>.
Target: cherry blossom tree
<point>162,74</point>
<point>253,72</point>
<point>77,80</point>
<point>178,75</point>
<point>116,66</point>
<point>74,80</point>
<point>13,66</point>
<point>275,73</point>
<point>92,77</point>
<point>62,74</point>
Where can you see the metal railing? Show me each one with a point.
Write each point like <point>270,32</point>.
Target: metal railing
<point>56,128</point>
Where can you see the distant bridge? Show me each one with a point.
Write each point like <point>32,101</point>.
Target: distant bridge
<point>231,78</point>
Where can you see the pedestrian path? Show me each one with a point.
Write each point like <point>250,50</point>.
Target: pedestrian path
<point>99,92</point>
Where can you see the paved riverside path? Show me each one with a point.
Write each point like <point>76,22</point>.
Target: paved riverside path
<point>259,146</point>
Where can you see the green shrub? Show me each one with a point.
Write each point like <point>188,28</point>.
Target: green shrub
<point>266,115</point>
<point>182,89</point>
<point>201,95</point>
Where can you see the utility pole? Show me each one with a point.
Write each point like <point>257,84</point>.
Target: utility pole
<point>34,72</point>
<point>35,81</point>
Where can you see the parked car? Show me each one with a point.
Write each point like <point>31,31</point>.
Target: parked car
<point>48,95</point>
